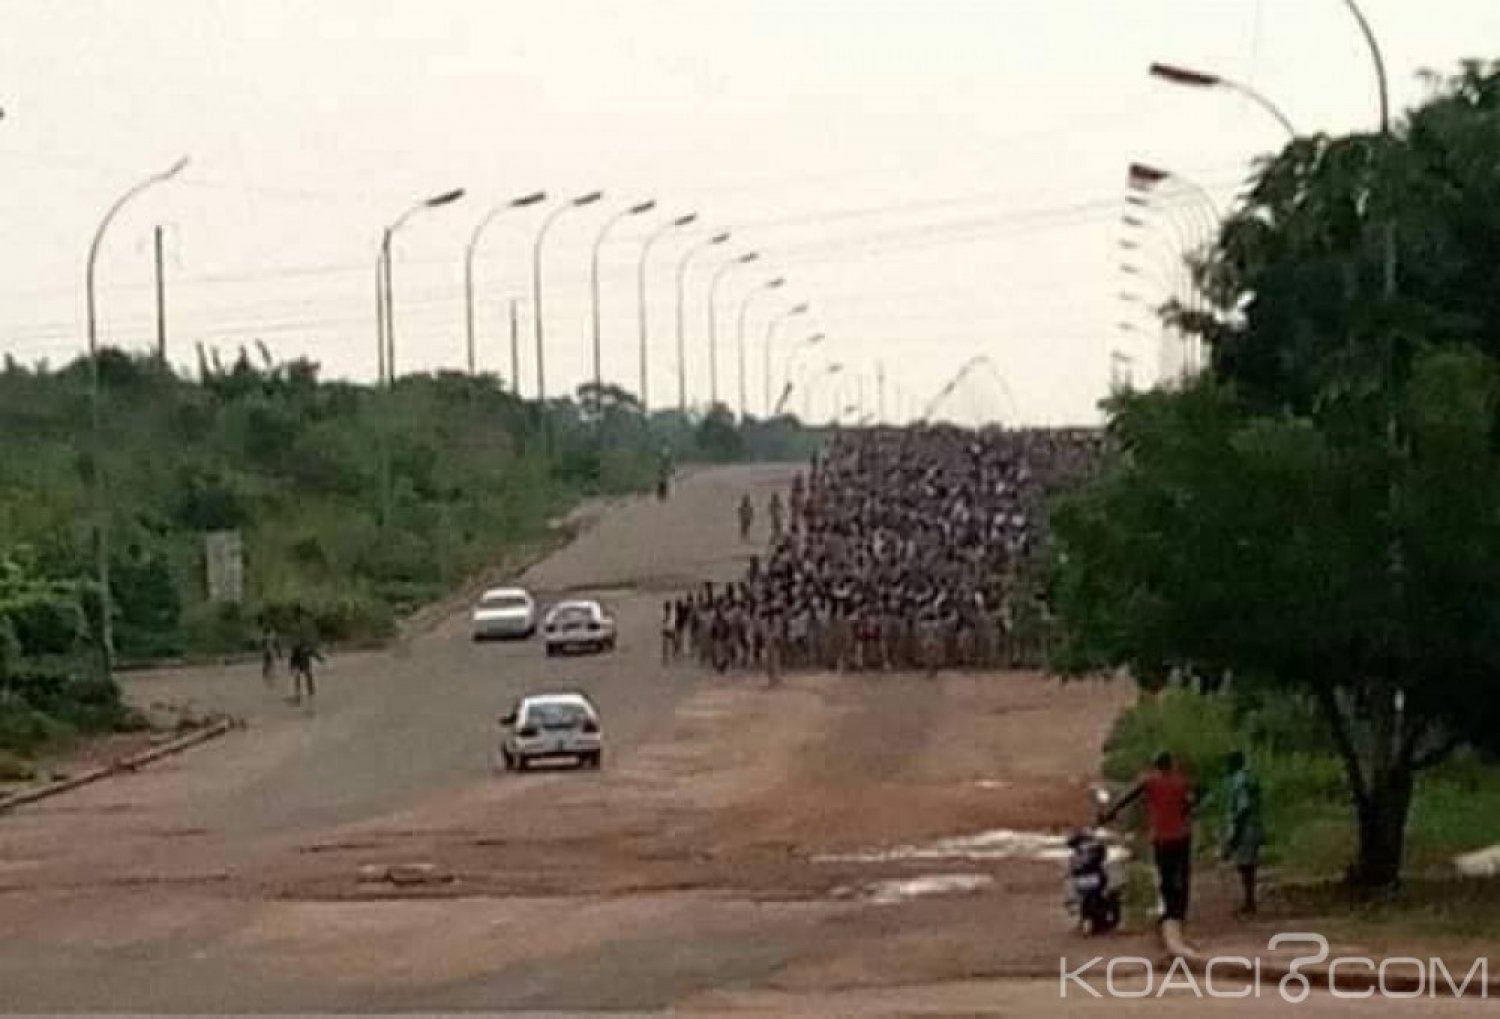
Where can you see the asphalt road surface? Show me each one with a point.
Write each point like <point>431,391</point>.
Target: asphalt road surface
<point>836,845</point>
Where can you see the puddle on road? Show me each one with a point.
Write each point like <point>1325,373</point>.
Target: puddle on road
<point>998,844</point>
<point>897,890</point>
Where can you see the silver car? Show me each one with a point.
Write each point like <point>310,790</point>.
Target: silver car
<point>580,625</point>
<point>552,726</point>
<point>504,613</point>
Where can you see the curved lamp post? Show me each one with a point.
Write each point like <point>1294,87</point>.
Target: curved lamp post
<point>96,467</point>
<point>713,320</point>
<point>386,237</point>
<point>640,283</point>
<point>767,286</point>
<point>1176,75</point>
<point>770,339</point>
<point>682,268</point>
<point>515,203</point>
<point>786,370</point>
<point>812,384</point>
<point>609,224</point>
<point>536,289</point>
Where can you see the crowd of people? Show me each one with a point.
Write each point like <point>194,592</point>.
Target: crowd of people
<point>897,549</point>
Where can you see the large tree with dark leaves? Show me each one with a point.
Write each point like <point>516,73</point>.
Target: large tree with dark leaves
<point>1321,512</point>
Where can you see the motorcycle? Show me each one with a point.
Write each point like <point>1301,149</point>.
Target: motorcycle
<point>1093,888</point>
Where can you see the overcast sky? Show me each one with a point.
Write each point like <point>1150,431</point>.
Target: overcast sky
<point>940,179</point>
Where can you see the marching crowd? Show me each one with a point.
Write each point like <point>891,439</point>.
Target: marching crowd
<point>896,549</point>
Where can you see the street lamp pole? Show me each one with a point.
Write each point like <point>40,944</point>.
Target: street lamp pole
<point>1189,78</point>
<point>536,291</point>
<point>775,284</point>
<point>786,370</point>
<point>713,321</point>
<point>640,283</point>
<point>812,384</point>
<point>634,210</point>
<point>515,203</point>
<point>770,339</point>
<point>96,466</point>
<point>682,268</point>
<point>386,237</point>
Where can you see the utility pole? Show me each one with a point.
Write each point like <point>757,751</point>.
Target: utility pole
<point>161,305</point>
<point>515,348</point>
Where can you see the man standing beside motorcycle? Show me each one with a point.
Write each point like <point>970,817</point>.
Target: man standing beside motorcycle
<point>1169,797</point>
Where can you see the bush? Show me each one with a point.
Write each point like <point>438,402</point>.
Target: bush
<point>26,731</point>
<point>218,629</point>
<point>1309,821</point>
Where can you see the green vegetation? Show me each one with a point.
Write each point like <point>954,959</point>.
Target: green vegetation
<point>355,505</point>
<point>1456,807</point>
<point>1318,515</point>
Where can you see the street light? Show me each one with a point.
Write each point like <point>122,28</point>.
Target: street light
<point>770,338</point>
<point>536,292</point>
<point>515,203</point>
<point>96,472</point>
<point>786,369</point>
<point>1379,61</point>
<point>650,242</point>
<point>435,202</point>
<point>682,267</point>
<point>807,394</point>
<point>634,210</point>
<point>769,285</point>
<point>1200,79</point>
<point>713,321</point>
<point>1144,179</point>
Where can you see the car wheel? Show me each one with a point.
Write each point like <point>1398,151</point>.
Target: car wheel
<point>518,763</point>
<point>551,651</point>
<point>592,761</point>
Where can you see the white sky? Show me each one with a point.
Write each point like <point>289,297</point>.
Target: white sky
<point>940,179</point>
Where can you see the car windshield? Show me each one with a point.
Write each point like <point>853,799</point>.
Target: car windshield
<point>574,614</point>
<point>556,714</point>
<point>503,601</point>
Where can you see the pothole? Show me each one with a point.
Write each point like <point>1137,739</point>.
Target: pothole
<point>997,844</point>
<point>897,890</point>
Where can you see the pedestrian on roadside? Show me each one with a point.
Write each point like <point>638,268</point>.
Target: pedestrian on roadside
<point>300,662</point>
<point>668,632</point>
<point>1169,798</point>
<point>747,517</point>
<point>270,653</point>
<point>777,514</point>
<point>1244,833</point>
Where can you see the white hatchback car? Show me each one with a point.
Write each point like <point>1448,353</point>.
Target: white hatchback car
<point>548,726</point>
<point>503,613</point>
<point>581,625</point>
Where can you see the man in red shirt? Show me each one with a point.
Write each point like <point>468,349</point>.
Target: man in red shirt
<point>1169,797</point>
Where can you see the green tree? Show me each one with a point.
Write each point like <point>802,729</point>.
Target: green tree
<point>1321,514</point>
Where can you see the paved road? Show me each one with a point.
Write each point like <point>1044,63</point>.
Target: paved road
<point>720,863</point>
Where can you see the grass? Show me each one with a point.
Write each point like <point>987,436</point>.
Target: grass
<point>1309,819</point>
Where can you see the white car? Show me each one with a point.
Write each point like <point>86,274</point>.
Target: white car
<point>503,613</point>
<point>581,625</point>
<point>549,726</point>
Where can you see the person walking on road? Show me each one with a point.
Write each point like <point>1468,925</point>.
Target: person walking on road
<point>669,629</point>
<point>300,662</point>
<point>270,653</point>
<point>1242,825</point>
<point>747,517</point>
<point>1169,797</point>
